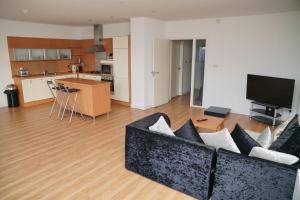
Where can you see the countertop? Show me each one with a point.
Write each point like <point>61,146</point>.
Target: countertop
<point>51,75</point>
<point>82,81</point>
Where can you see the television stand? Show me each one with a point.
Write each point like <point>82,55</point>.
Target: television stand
<point>269,115</point>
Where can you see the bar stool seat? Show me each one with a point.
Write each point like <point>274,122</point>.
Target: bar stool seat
<point>74,108</point>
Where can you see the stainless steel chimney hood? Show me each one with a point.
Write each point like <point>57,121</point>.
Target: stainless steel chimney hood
<point>98,37</point>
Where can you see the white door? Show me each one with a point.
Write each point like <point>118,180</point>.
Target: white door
<point>176,68</point>
<point>161,71</point>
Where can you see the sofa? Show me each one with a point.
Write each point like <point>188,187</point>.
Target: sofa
<point>200,170</point>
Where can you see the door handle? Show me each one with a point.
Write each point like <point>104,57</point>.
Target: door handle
<point>154,72</point>
<point>179,68</point>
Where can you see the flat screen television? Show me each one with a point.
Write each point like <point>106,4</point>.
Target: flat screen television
<point>270,90</point>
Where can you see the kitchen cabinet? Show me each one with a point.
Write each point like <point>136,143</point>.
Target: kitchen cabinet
<point>120,63</point>
<point>20,54</point>
<point>35,89</point>
<point>51,54</point>
<point>120,42</point>
<point>64,53</point>
<point>37,54</point>
<point>120,69</point>
<point>121,89</point>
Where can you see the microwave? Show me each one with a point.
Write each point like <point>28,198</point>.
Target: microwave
<point>106,69</point>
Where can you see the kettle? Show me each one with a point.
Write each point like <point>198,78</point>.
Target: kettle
<point>74,68</point>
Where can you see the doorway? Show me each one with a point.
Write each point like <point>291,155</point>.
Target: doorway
<point>181,67</point>
<point>198,72</point>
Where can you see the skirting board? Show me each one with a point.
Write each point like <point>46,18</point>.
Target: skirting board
<point>123,103</point>
<point>35,103</point>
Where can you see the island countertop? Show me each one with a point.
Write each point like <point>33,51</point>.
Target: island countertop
<point>94,96</point>
<point>83,81</point>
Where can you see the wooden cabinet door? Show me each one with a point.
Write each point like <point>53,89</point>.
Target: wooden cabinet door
<point>120,68</point>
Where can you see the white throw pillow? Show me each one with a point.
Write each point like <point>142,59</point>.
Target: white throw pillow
<point>161,126</point>
<point>275,156</point>
<point>264,138</point>
<point>220,139</point>
<point>254,135</point>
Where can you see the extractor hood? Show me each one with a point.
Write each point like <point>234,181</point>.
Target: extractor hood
<point>98,37</point>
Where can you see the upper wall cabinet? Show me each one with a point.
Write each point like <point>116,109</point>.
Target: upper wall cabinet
<point>37,54</point>
<point>120,42</point>
<point>64,53</point>
<point>51,54</point>
<point>20,54</point>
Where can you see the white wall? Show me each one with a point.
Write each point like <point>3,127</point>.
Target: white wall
<point>117,29</point>
<point>262,44</point>
<point>143,33</point>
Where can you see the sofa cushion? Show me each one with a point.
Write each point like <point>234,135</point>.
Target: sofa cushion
<point>244,142</point>
<point>161,126</point>
<point>264,138</point>
<point>220,139</point>
<point>275,156</point>
<point>188,131</point>
<point>288,141</point>
<point>285,126</point>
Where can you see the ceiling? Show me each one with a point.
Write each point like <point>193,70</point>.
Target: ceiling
<point>85,12</point>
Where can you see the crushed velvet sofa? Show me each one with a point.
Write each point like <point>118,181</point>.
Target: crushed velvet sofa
<point>202,172</point>
<point>181,164</point>
<point>239,176</point>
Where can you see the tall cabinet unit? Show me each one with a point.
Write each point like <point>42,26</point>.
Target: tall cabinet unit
<point>121,69</point>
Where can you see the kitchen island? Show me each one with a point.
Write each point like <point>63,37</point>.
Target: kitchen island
<point>94,96</point>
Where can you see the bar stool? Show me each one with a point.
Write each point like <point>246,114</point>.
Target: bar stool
<point>69,92</point>
<point>55,91</point>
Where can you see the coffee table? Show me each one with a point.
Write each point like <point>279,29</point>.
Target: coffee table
<point>212,123</point>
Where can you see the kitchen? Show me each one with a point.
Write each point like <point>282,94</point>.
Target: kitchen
<point>43,59</point>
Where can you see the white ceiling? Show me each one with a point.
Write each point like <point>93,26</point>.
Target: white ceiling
<point>84,12</point>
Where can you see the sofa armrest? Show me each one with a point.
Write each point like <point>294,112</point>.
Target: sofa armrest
<point>145,122</point>
<point>175,162</point>
<point>239,176</point>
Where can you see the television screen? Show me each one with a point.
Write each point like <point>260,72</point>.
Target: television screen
<point>270,90</point>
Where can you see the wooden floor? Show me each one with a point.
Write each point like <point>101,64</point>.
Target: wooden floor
<point>42,158</point>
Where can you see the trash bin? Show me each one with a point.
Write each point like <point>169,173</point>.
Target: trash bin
<point>12,95</point>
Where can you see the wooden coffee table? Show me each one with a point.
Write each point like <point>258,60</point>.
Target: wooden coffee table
<point>212,123</point>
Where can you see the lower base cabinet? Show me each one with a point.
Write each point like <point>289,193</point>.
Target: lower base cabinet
<point>35,89</point>
<point>121,89</point>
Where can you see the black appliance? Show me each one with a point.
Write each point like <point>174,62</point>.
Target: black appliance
<point>106,69</point>
<point>217,111</point>
<point>108,79</point>
<point>270,90</point>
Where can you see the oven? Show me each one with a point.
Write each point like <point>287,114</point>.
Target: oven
<point>106,69</point>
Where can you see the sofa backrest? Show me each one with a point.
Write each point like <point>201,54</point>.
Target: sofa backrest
<point>289,139</point>
<point>175,162</point>
<point>239,176</point>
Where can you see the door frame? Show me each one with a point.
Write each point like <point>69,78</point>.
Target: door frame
<point>193,73</point>
<point>179,86</point>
